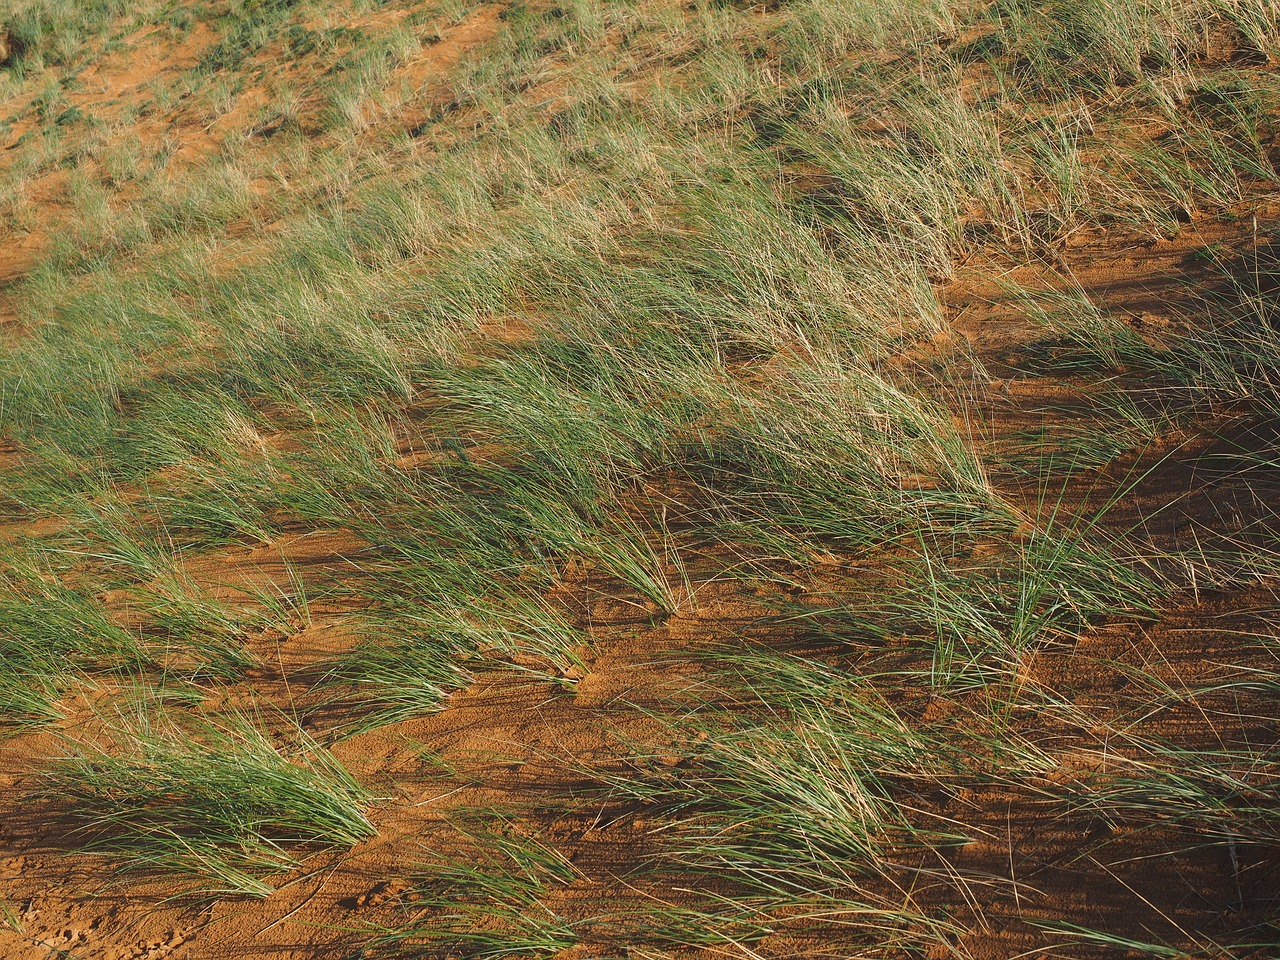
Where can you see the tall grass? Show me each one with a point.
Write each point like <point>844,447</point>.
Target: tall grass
<point>215,798</point>
<point>655,300</point>
<point>804,804</point>
<point>50,633</point>
<point>55,32</point>
<point>486,900</point>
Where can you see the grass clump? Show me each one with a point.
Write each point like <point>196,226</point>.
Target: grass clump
<point>50,633</point>
<point>217,799</point>
<point>249,26</point>
<point>53,32</point>
<point>847,458</point>
<point>486,900</point>
<point>804,793</point>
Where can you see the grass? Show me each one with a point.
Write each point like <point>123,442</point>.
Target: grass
<point>846,456</point>
<point>1086,333</point>
<point>54,635</point>
<point>643,325</point>
<point>54,31</point>
<point>806,808</point>
<point>488,902</point>
<point>1060,577</point>
<point>214,798</point>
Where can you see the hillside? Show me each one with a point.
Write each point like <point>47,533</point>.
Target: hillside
<point>638,479</point>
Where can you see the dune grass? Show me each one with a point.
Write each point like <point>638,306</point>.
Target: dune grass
<point>652,301</point>
<point>218,800</point>
<point>486,900</point>
<point>53,635</point>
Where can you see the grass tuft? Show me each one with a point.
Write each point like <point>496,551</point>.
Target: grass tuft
<point>214,798</point>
